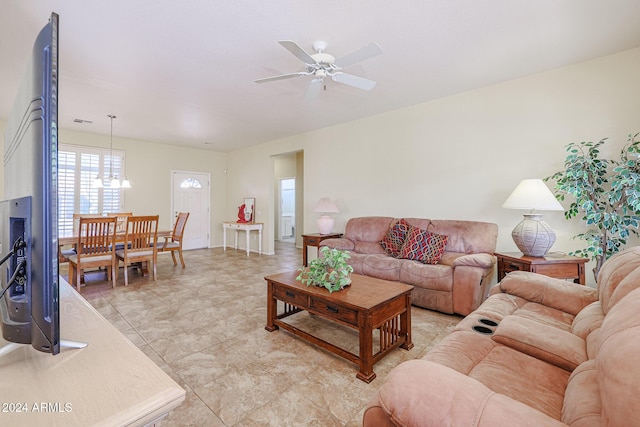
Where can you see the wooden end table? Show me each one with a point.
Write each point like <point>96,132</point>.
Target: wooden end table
<point>314,240</point>
<point>366,305</point>
<point>560,266</point>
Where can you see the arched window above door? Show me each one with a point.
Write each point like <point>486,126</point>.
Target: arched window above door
<point>191,183</point>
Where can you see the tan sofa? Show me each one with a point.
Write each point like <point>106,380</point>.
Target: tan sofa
<point>458,283</point>
<point>561,354</point>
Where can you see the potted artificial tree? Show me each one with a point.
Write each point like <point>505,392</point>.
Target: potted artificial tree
<point>606,196</point>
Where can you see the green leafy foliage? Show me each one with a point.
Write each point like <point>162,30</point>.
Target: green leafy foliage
<point>329,270</point>
<point>606,196</point>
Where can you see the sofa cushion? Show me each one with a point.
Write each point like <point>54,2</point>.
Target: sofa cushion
<point>369,248</point>
<point>504,370</point>
<point>617,362</point>
<point>382,267</point>
<point>421,245</point>
<point>589,319</point>
<point>547,291</point>
<point>582,406</point>
<point>544,342</point>
<point>436,277</point>
<point>368,228</point>
<point>616,268</point>
<point>395,237</point>
<point>422,393</point>
<point>357,262</point>
<point>470,237</point>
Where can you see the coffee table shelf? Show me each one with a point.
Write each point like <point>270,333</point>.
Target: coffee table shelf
<point>368,304</point>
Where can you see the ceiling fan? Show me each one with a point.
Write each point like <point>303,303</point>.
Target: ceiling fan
<point>321,65</point>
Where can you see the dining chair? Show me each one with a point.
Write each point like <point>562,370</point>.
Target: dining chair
<point>140,240</point>
<point>173,243</point>
<point>64,254</point>
<point>121,222</point>
<point>95,248</point>
<point>78,216</point>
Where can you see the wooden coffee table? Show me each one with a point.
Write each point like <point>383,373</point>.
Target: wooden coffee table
<point>366,305</point>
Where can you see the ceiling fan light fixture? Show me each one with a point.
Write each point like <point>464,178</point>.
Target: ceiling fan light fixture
<point>97,182</point>
<point>321,64</point>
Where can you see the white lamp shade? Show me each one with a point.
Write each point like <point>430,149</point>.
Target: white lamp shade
<point>326,205</point>
<point>532,194</point>
<point>126,183</point>
<point>97,183</point>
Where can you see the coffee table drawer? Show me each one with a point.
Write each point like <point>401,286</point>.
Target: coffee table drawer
<point>291,296</point>
<point>334,311</point>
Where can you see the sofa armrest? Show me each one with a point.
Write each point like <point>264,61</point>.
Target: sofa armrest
<point>341,243</point>
<point>544,342</point>
<point>475,260</point>
<point>556,293</point>
<point>420,392</point>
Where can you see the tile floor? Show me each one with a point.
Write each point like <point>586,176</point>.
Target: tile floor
<point>204,325</point>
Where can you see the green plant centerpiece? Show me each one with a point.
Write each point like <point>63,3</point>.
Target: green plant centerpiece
<point>606,193</point>
<point>329,270</point>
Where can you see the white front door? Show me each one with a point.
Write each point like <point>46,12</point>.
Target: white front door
<point>191,193</point>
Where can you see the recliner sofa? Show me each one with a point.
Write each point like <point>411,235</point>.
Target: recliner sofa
<point>458,283</point>
<point>538,352</point>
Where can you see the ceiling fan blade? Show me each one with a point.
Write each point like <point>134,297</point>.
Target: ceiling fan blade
<point>366,52</point>
<point>299,52</point>
<point>355,81</point>
<point>281,77</point>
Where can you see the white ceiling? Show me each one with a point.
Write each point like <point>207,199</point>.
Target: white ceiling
<point>182,72</point>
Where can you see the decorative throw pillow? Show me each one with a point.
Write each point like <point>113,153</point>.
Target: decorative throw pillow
<point>421,245</point>
<point>395,237</point>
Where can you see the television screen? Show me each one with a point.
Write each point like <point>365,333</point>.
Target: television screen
<point>30,304</point>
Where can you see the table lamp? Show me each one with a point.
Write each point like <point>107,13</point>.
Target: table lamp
<point>325,222</point>
<point>533,236</point>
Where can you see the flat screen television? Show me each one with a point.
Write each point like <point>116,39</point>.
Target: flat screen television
<point>29,307</point>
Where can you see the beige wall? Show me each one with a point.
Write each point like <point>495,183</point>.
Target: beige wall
<point>149,169</point>
<point>457,157</point>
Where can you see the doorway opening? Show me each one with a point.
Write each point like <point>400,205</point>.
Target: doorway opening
<point>287,210</point>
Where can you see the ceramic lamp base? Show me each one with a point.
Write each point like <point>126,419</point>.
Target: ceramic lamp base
<point>325,224</point>
<point>533,236</point>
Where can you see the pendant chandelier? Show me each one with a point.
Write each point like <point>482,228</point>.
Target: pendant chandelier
<point>114,182</point>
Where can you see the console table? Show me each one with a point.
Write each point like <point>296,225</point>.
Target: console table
<point>247,227</point>
<point>110,382</point>
<point>560,266</point>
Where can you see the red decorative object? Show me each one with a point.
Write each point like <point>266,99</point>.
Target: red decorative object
<point>241,217</point>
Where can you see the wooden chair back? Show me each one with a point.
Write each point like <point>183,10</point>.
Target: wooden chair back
<point>95,248</point>
<point>140,243</point>
<point>174,243</point>
<point>141,233</point>
<point>97,236</point>
<point>76,221</point>
<point>121,220</point>
<point>178,228</point>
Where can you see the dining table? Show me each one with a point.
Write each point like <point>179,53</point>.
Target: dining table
<point>120,237</point>
<point>73,240</point>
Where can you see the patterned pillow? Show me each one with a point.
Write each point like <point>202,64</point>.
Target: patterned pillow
<point>395,237</point>
<point>421,245</point>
